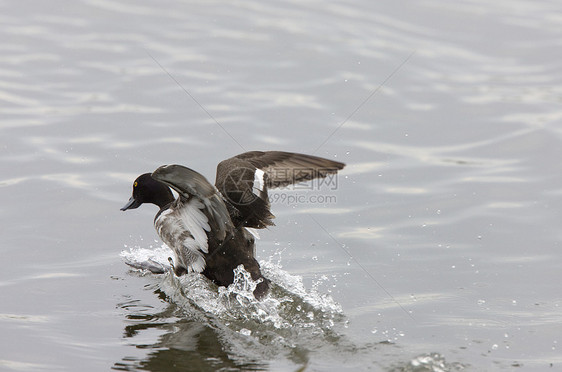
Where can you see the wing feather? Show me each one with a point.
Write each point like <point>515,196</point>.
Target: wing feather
<point>242,183</point>
<point>189,183</point>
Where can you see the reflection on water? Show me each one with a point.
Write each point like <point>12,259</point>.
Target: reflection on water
<point>190,346</point>
<point>181,343</point>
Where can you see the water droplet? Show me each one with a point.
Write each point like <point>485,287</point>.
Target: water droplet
<point>245,332</point>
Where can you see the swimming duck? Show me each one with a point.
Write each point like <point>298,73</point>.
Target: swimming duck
<point>206,226</point>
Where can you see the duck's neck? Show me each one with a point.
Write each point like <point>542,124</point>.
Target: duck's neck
<point>162,199</point>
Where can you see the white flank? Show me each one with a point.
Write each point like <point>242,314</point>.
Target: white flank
<point>259,183</point>
<point>172,226</point>
<point>196,262</point>
<point>196,222</point>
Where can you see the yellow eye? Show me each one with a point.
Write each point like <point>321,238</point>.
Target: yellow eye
<point>135,184</point>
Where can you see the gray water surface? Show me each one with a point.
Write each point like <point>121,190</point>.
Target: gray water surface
<point>440,242</point>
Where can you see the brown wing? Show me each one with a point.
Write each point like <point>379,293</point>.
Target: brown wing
<point>244,179</point>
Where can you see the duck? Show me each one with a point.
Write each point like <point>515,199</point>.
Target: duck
<point>209,228</point>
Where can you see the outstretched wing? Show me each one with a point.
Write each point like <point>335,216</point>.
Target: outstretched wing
<point>188,183</point>
<point>244,179</point>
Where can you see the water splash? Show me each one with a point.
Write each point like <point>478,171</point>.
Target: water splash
<point>293,284</point>
<point>289,304</point>
<point>153,259</point>
<point>433,362</point>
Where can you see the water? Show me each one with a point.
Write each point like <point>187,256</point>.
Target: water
<point>439,248</point>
